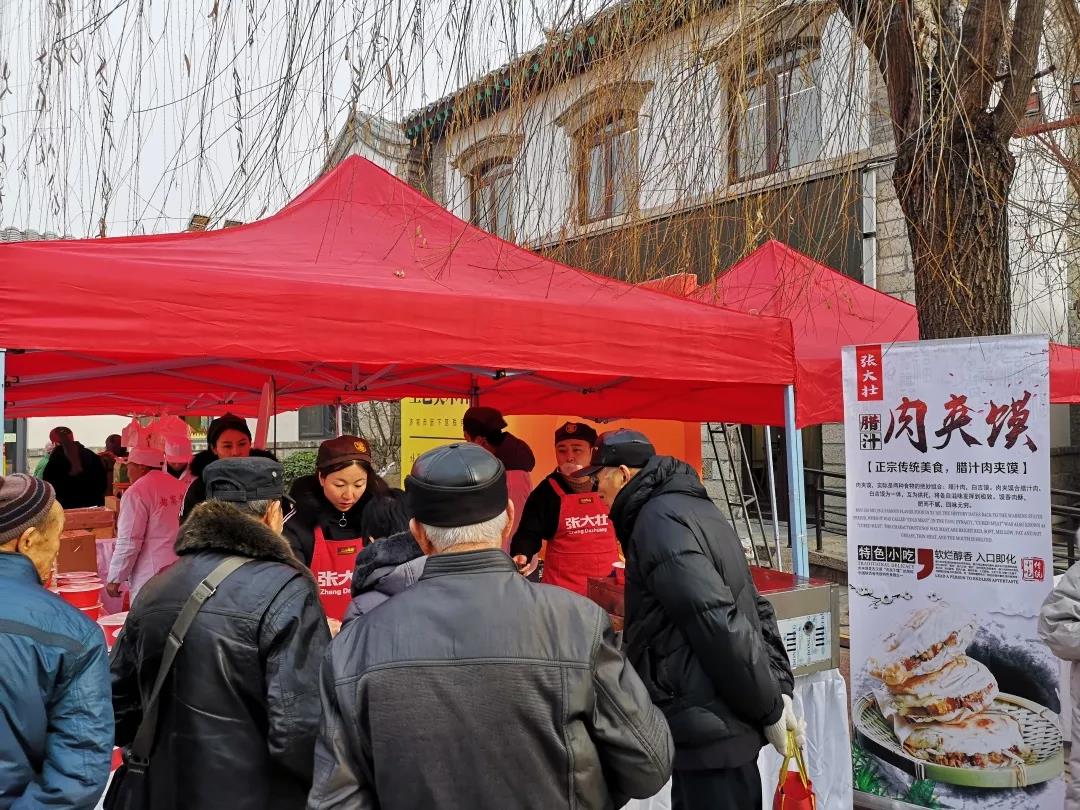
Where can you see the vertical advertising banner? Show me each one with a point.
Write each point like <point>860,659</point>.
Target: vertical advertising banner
<point>427,424</point>
<point>954,697</point>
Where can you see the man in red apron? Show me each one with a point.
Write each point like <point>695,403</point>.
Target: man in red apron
<point>568,515</point>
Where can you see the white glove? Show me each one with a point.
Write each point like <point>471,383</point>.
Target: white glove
<point>777,733</point>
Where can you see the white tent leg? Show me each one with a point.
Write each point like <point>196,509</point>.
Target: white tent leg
<point>796,488</point>
<point>770,470</point>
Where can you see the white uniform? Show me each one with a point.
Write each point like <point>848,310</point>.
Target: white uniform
<point>146,529</point>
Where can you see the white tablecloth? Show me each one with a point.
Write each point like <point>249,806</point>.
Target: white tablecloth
<point>822,700</point>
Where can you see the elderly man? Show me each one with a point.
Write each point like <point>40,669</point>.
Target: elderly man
<point>55,716</point>
<point>698,632</point>
<point>239,712</point>
<point>476,688</point>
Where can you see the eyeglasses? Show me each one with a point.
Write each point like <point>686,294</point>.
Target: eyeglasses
<point>288,506</point>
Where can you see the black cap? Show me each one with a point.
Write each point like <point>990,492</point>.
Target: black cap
<point>575,431</point>
<point>456,485</point>
<point>253,478</point>
<point>619,448</point>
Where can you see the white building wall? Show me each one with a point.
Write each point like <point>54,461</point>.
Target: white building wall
<point>682,127</point>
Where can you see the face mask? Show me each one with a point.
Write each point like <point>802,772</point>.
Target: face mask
<point>568,468</point>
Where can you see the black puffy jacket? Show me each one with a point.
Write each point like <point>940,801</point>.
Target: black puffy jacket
<point>697,631</point>
<point>196,493</point>
<point>476,688</point>
<point>77,491</point>
<point>313,509</point>
<point>240,710</point>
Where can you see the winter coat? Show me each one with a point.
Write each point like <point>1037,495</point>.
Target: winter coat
<point>196,493</point>
<point>697,631</point>
<point>240,710</point>
<point>384,568</point>
<point>56,720</point>
<point>313,509</point>
<point>146,529</point>
<point>76,491</point>
<point>1059,627</point>
<point>476,688</point>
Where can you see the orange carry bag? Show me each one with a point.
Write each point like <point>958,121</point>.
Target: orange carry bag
<point>794,790</point>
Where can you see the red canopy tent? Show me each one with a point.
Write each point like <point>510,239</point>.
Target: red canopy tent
<point>827,310</point>
<point>364,288</point>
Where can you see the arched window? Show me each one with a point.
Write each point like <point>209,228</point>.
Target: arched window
<point>491,198</point>
<point>603,128</point>
<point>607,177</point>
<point>488,166</point>
<point>775,116</point>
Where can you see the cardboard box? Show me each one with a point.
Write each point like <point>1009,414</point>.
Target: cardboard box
<point>78,552</point>
<point>98,520</point>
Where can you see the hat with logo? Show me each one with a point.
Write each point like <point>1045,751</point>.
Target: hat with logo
<point>456,485</point>
<point>576,431</point>
<point>242,479</point>
<point>342,450</point>
<point>618,448</point>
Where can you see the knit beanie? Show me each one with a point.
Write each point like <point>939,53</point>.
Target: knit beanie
<point>24,501</point>
<point>229,421</point>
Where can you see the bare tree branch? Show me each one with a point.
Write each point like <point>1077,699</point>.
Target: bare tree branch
<point>1023,55</point>
<point>981,40</point>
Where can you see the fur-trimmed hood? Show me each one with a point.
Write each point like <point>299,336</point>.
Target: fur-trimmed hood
<point>221,527</point>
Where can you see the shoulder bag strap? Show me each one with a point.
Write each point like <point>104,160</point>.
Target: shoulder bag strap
<point>144,737</point>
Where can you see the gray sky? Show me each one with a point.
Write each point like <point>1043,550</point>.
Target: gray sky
<point>137,113</point>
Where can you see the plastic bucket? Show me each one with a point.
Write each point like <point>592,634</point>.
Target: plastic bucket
<point>620,572</point>
<point>111,625</point>
<point>81,596</point>
<point>93,612</point>
<point>73,577</point>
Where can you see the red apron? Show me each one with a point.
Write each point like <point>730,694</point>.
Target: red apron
<point>332,563</point>
<point>584,545</point>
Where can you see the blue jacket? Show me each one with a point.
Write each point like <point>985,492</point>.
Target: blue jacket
<point>56,720</point>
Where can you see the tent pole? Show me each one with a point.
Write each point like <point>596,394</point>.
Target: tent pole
<point>771,471</point>
<point>338,417</point>
<point>800,562</point>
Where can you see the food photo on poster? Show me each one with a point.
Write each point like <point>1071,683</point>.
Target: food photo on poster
<point>954,696</point>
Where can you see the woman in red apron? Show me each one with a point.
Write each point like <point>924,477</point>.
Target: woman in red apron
<point>569,516</point>
<point>326,529</point>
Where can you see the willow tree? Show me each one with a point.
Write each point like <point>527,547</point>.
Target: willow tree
<point>958,75</point>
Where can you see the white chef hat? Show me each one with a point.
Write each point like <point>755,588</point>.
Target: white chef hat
<point>146,457</point>
<point>178,450</point>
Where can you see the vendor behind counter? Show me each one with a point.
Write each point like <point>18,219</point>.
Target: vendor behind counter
<point>568,515</point>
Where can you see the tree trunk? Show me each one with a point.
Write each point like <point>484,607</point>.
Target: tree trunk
<point>953,187</point>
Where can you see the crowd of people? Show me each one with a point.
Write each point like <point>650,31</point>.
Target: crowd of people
<point>344,644</point>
